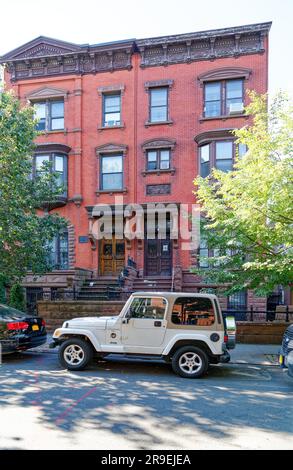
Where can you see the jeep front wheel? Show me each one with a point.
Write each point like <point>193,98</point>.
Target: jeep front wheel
<point>75,354</point>
<point>190,362</point>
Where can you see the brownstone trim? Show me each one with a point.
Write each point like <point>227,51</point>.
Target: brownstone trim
<point>158,143</point>
<point>224,117</point>
<point>158,172</point>
<point>158,84</point>
<point>104,128</point>
<point>47,92</point>
<point>224,73</point>
<point>111,148</point>
<point>71,246</point>
<point>110,89</point>
<point>158,189</point>
<point>52,147</point>
<point>217,134</point>
<point>158,123</point>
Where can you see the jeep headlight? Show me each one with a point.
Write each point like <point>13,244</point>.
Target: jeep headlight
<point>57,333</point>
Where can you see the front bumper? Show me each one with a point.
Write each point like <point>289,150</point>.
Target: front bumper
<point>54,343</point>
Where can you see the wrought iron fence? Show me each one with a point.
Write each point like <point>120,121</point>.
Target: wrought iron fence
<point>260,315</point>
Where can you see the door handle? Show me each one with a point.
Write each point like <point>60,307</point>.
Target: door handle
<point>158,323</point>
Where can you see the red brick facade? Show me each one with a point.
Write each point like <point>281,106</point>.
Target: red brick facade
<point>42,68</point>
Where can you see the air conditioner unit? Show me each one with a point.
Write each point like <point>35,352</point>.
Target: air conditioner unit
<point>112,123</point>
<point>235,108</point>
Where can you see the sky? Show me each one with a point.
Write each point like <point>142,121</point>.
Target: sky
<point>94,21</point>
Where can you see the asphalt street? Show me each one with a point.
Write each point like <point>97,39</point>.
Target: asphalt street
<point>121,404</point>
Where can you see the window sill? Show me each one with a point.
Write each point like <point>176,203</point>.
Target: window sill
<point>57,131</point>
<point>58,201</point>
<point>111,191</point>
<point>158,172</point>
<point>158,123</point>
<point>223,118</point>
<point>104,128</point>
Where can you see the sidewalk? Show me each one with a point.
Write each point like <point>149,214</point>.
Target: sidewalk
<point>255,354</point>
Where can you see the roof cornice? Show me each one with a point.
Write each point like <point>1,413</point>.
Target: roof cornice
<point>44,56</point>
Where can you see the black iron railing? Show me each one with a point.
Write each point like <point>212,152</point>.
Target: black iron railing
<point>260,315</point>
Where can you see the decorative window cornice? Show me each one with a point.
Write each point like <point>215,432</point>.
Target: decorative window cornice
<point>52,147</point>
<point>47,93</point>
<point>158,143</point>
<point>224,73</point>
<point>218,134</point>
<point>158,83</point>
<point>111,148</point>
<point>110,89</point>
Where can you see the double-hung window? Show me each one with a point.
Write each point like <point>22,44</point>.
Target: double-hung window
<point>111,110</point>
<point>158,159</point>
<point>50,115</point>
<point>219,154</point>
<point>222,98</point>
<point>158,104</point>
<point>55,163</point>
<point>111,172</point>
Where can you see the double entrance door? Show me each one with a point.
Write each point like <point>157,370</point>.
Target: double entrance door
<point>112,256</point>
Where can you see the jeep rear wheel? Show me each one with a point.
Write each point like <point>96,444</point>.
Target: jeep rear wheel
<point>75,354</point>
<point>190,362</point>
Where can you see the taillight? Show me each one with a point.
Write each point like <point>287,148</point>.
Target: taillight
<point>20,325</point>
<point>43,323</point>
<point>226,339</point>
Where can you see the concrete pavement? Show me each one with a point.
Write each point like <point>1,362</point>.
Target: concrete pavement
<point>120,404</point>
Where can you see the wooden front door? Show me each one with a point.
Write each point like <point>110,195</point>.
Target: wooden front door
<point>112,258</point>
<point>158,257</point>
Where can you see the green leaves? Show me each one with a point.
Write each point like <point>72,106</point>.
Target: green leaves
<point>250,209</point>
<point>23,233</point>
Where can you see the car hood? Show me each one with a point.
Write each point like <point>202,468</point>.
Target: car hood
<point>100,323</point>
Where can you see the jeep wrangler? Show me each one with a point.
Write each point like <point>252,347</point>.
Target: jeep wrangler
<point>185,329</point>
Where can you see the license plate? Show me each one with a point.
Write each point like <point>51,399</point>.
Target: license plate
<point>35,328</point>
<point>281,360</point>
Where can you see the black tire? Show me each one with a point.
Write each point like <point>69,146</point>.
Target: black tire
<point>83,351</point>
<point>189,353</point>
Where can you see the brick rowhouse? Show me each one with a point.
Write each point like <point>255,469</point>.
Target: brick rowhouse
<point>135,118</point>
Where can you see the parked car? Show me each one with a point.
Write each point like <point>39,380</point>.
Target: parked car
<point>186,330</point>
<point>286,353</point>
<point>20,331</point>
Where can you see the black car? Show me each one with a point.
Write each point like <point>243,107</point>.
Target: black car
<point>286,353</point>
<point>20,331</point>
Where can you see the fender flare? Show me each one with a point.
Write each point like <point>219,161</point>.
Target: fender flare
<point>78,332</point>
<point>190,337</point>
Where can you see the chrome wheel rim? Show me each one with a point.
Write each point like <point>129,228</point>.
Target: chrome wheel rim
<point>73,354</point>
<point>190,363</point>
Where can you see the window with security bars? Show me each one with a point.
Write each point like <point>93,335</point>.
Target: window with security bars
<point>237,301</point>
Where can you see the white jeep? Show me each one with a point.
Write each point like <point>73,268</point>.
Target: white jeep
<point>185,329</point>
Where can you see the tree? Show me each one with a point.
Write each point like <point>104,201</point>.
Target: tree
<point>248,212</point>
<point>24,233</point>
<point>17,297</point>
